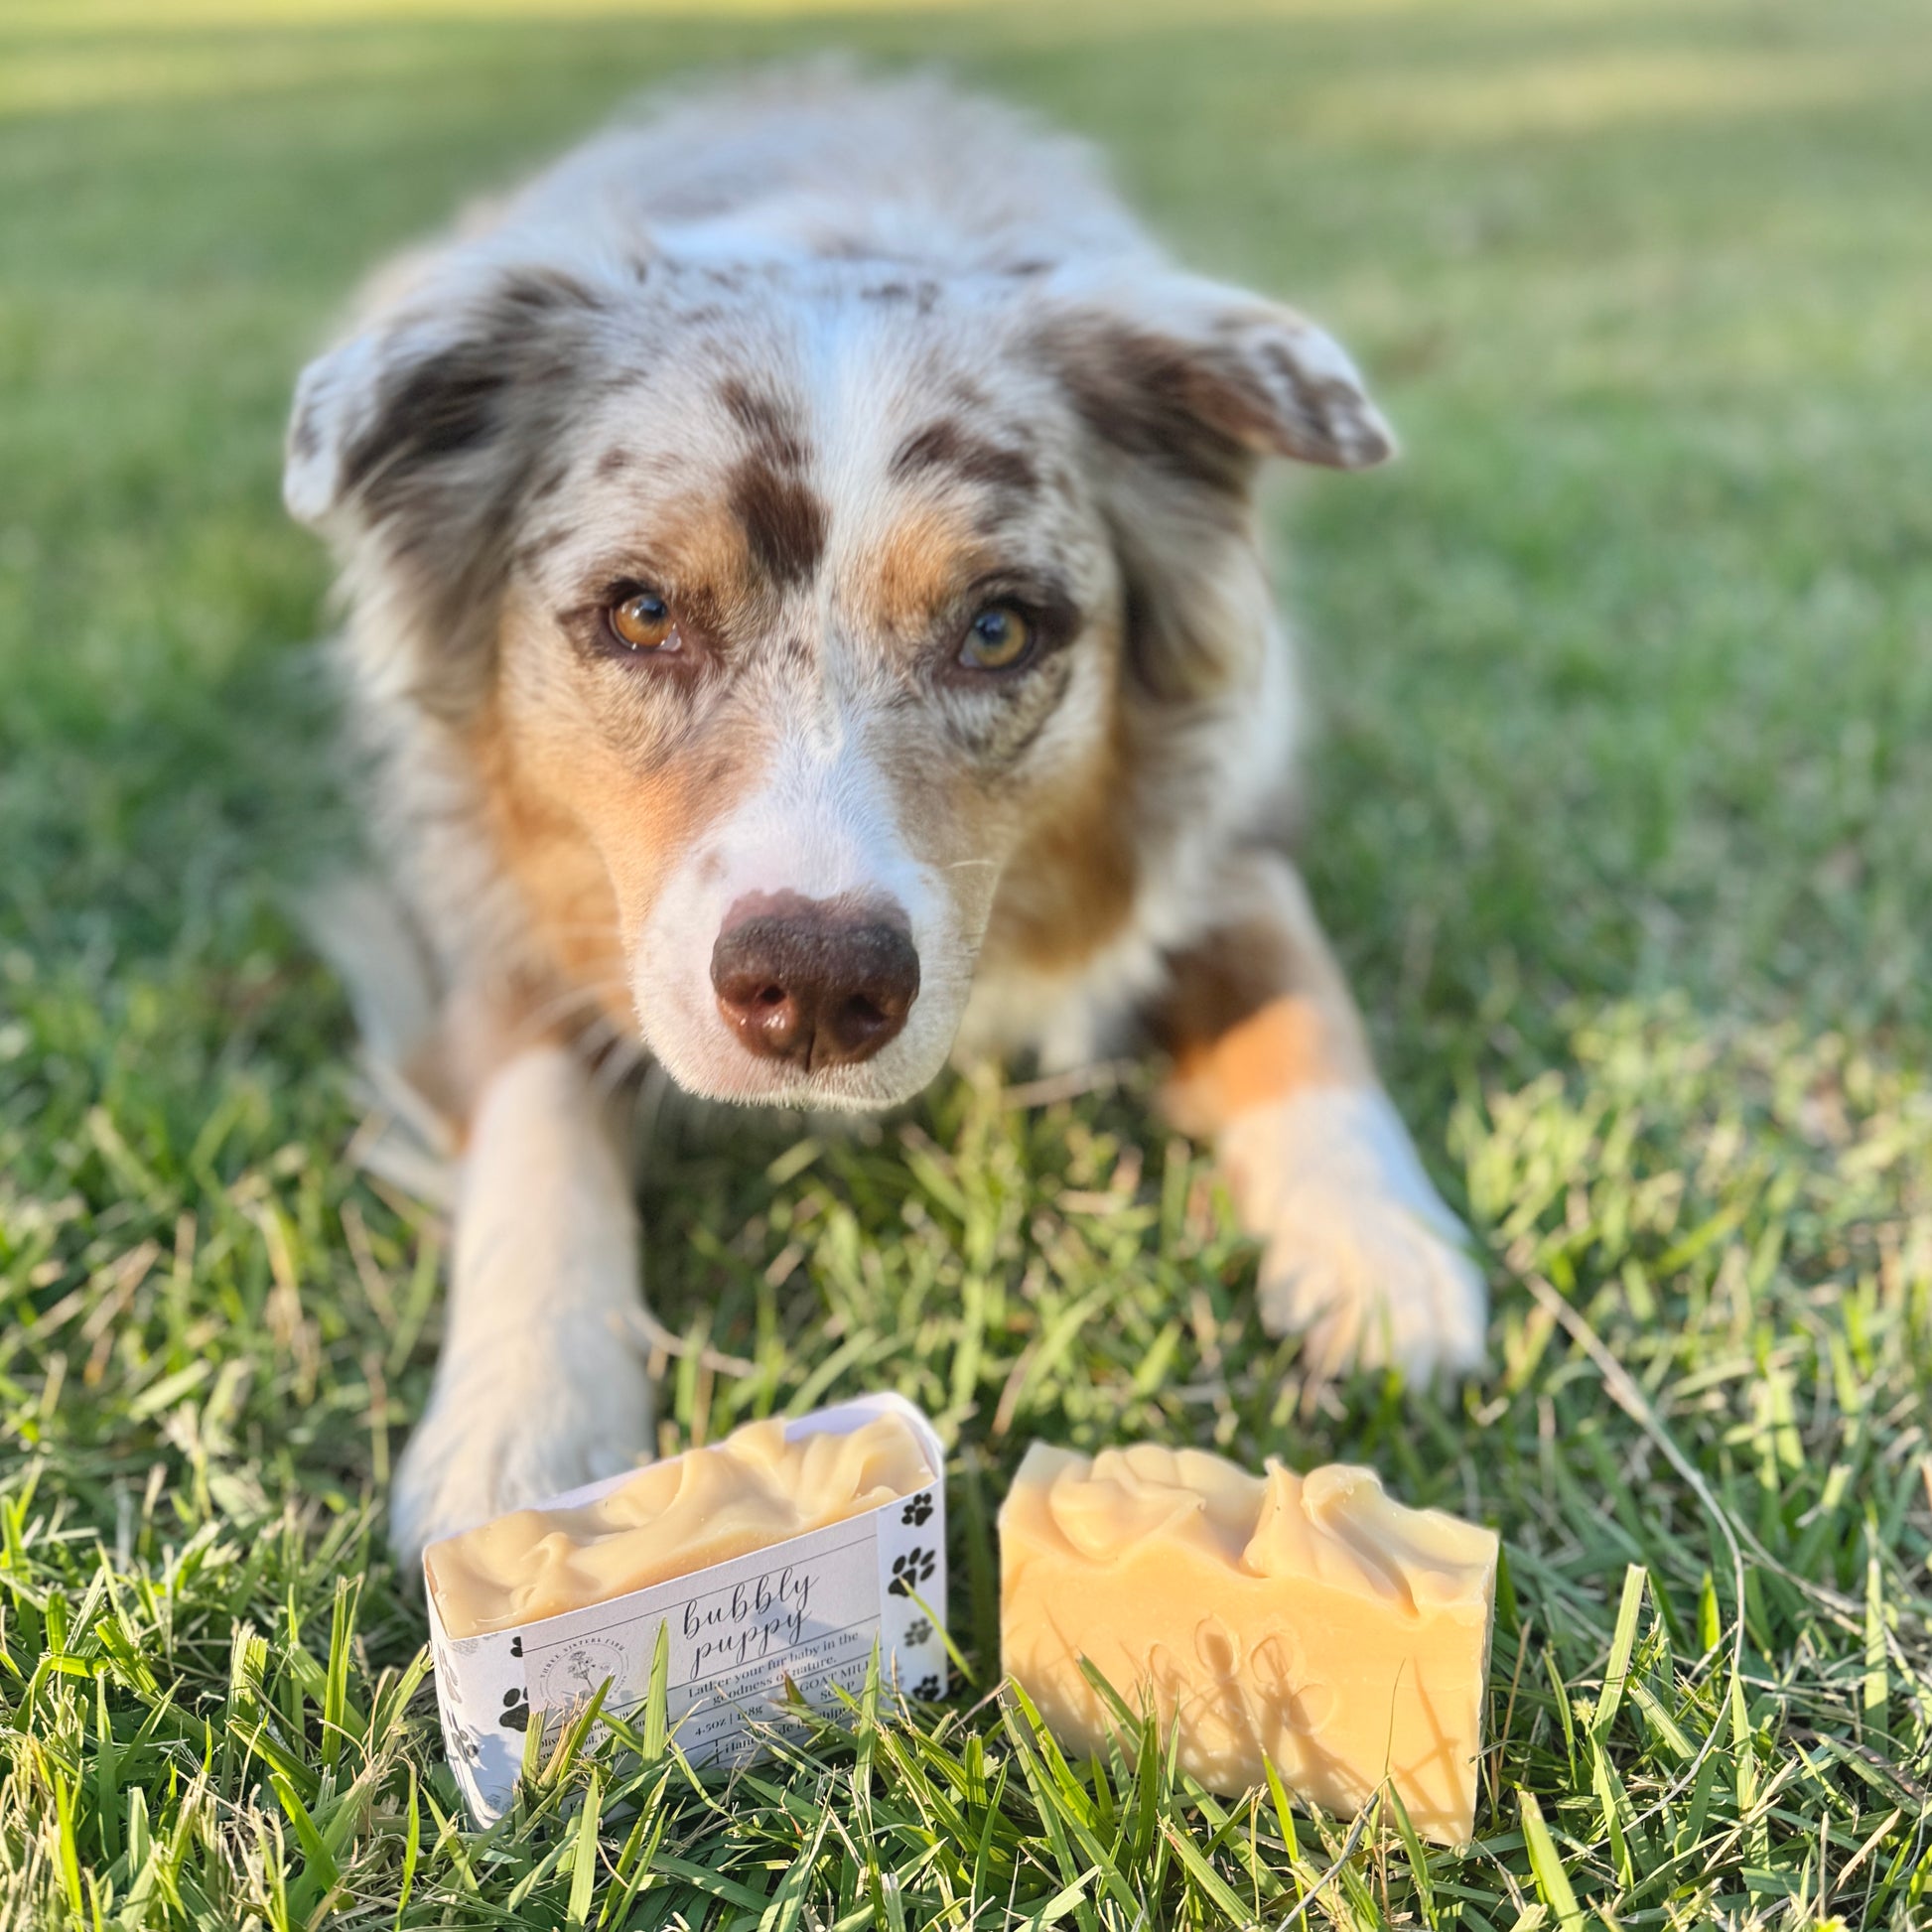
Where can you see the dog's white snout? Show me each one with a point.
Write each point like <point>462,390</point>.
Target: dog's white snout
<point>806,953</point>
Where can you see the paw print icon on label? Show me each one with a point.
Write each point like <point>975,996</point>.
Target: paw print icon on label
<point>910,1571</point>
<point>516,1711</point>
<point>918,1511</point>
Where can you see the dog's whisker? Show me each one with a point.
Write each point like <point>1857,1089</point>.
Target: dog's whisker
<point>583,929</point>
<point>587,1000</point>
<point>622,1061</point>
<point>587,997</point>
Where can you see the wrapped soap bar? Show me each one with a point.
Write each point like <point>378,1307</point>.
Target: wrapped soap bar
<point>774,1561</point>
<point>1309,1622</point>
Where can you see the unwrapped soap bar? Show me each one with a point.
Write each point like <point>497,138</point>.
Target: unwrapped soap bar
<point>705,1506</point>
<point>1310,1621</point>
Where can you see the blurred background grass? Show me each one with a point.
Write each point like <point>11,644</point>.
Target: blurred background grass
<point>1620,803</point>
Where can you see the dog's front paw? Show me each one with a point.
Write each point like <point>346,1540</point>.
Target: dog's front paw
<point>1360,1253</point>
<point>511,1424</point>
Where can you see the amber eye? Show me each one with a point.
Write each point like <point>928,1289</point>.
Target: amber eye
<point>642,621</point>
<point>997,640</point>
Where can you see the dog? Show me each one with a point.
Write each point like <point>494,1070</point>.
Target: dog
<point>806,613</point>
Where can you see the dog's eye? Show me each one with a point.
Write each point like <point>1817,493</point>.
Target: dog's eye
<point>997,640</point>
<point>642,621</point>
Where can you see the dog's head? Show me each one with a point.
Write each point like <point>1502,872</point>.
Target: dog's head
<point>813,597</point>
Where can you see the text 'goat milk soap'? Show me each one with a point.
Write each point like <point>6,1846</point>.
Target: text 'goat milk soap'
<point>1308,1621</point>
<point>771,1563</point>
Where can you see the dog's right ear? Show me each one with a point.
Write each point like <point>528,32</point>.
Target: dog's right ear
<point>419,439</point>
<point>335,401</point>
<point>401,407</point>
<point>441,404</point>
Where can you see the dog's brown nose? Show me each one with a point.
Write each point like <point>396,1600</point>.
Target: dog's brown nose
<point>816,981</point>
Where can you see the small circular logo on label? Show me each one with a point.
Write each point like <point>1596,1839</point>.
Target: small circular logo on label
<point>579,1670</point>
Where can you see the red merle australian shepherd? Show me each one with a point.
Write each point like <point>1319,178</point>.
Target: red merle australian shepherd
<point>807,608</point>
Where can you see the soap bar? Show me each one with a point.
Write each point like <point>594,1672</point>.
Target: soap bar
<point>705,1506</point>
<point>1311,1621</point>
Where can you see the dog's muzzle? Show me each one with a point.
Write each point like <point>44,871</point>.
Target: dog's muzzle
<point>815,983</point>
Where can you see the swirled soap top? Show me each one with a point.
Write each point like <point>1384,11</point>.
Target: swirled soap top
<point>1337,1525</point>
<point>705,1506</point>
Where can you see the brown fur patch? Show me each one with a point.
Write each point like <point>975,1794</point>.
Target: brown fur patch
<point>1183,643</point>
<point>459,397</point>
<point>947,447</point>
<point>770,425</point>
<point>783,522</point>
<point>440,406</point>
<point>1207,408</point>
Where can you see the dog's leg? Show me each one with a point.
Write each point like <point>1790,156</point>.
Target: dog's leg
<point>1271,1059</point>
<point>541,1385</point>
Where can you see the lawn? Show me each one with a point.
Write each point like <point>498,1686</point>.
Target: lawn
<point>1620,817</point>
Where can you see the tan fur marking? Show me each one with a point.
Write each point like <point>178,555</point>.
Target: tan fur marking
<point>569,896</point>
<point>574,912</point>
<point>592,841</point>
<point>677,803</point>
<point>1070,886</point>
<point>1259,1010</point>
<point>1291,1042</point>
<point>920,565</point>
<point>704,551</point>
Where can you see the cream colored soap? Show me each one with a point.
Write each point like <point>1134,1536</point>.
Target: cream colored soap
<point>705,1506</point>
<point>1310,1621</point>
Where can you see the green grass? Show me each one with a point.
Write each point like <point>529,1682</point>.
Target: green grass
<point>1621,818</point>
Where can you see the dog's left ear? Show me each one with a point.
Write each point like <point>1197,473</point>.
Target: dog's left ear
<point>1197,377</point>
<point>1183,386</point>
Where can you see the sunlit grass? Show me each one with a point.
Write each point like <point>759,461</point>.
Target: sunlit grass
<point>1624,680</point>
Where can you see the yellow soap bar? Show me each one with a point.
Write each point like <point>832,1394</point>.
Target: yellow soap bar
<point>1308,1621</point>
<point>705,1506</point>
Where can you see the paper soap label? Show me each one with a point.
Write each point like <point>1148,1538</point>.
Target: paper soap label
<point>799,1618</point>
<point>805,1615</point>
